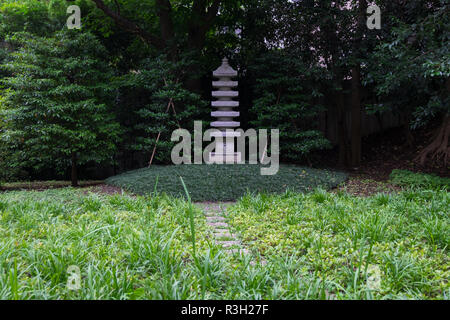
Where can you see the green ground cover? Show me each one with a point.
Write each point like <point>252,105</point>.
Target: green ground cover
<point>125,247</point>
<point>316,246</point>
<point>383,246</point>
<point>405,178</point>
<point>33,185</point>
<point>224,182</point>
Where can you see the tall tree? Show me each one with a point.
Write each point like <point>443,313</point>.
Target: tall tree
<point>410,69</point>
<point>356,84</point>
<point>178,21</point>
<point>55,111</point>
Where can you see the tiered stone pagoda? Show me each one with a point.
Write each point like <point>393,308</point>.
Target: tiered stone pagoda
<point>225,114</point>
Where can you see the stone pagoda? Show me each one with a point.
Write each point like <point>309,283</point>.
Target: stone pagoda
<point>225,114</point>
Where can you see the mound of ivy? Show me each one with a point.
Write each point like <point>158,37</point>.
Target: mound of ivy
<point>224,182</point>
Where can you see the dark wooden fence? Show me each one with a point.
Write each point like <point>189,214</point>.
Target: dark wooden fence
<point>370,124</point>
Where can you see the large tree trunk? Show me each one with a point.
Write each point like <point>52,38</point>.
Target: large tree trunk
<point>341,129</point>
<point>356,117</point>
<point>407,130</point>
<point>74,174</point>
<point>439,148</point>
<point>164,9</point>
<point>356,85</point>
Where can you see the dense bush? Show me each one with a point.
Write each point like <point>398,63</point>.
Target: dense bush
<point>143,99</point>
<point>57,112</point>
<point>287,93</point>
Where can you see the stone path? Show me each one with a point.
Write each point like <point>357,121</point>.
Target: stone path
<point>215,217</point>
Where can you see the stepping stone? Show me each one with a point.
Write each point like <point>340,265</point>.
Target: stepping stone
<point>238,251</point>
<point>218,224</point>
<point>215,219</point>
<point>262,262</point>
<point>227,244</point>
<point>222,233</point>
<point>223,237</point>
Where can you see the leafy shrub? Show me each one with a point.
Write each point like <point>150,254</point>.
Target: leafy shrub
<point>144,96</point>
<point>57,112</point>
<point>288,102</point>
<point>407,178</point>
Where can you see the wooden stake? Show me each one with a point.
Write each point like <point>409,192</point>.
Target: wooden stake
<point>264,154</point>
<point>169,105</point>
<point>159,135</point>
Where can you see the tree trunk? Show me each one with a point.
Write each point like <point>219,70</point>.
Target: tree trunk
<point>407,130</point>
<point>194,81</point>
<point>74,174</point>
<point>356,116</point>
<point>356,85</point>
<point>341,129</point>
<point>439,148</point>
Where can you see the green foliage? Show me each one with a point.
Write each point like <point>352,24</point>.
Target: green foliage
<point>287,94</point>
<point>294,59</point>
<point>410,67</point>
<point>146,93</point>
<point>57,105</point>
<point>407,178</point>
<point>362,248</point>
<point>28,15</point>
<point>126,248</point>
<point>339,247</point>
<point>43,185</point>
<point>223,182</point>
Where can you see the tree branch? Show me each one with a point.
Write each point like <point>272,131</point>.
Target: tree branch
<point>165,20</point>
<point>199,6</point>
<point>212,12</point>
<point>130,26</point>
<point>117,7</point>
<point>208,16</point>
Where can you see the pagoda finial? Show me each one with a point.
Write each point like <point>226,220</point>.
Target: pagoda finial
<point>225,70</point>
